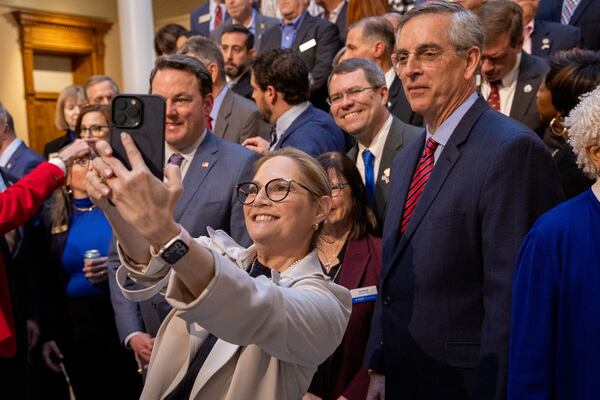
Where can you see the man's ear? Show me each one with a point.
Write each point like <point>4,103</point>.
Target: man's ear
<point>271,94</point>
<point>252,53</point>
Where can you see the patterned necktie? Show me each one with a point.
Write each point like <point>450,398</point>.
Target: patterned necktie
<point>209,123</point>
<point>419,180</point>
<point>218,17</point>
<point>176,159</point>
<point>493,99</point>
<point>369,160</point>
<point>568,9</point>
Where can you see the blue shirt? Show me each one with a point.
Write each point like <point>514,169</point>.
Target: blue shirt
<point>289,31</point>
<point>214,113</point>
<point>88,230</point>
<point>555,331</point>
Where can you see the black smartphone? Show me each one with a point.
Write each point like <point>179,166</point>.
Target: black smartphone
<point>142,116</point>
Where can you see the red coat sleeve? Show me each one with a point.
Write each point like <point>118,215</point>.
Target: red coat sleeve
<point>20,202</point>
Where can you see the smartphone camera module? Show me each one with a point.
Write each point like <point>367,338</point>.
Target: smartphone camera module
<point>127,112</point>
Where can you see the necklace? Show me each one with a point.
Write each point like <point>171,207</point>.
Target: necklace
<point>83,209</point>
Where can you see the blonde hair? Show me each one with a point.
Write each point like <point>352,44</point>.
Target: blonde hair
<point>75,91</point>
<point>584,130</point>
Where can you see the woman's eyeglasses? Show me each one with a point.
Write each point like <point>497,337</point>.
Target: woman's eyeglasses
<point>276,189</point>
<point>336,188</point>
<point>94,130</point>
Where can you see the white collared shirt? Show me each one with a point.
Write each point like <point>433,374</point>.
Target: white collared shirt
<point>333,16</point>
<point>287,118</point>
<point>389,77</point>
<point>506,90</point>
<point>9,151</point>
<point>527,37</point>
<point>188,154</point>
<point>212,6</point>
<point>376,147</point>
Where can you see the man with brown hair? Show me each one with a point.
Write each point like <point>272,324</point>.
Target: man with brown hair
<point>511,77</point>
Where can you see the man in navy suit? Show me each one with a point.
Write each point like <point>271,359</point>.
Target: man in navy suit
<point>208,17</point>
<point>466,193</point>
<point>281,90</point>
<point>315,39</point>
<point>585,16</point>
<point>211,167</point>
<point>542,38</point>
<point>15,155</point>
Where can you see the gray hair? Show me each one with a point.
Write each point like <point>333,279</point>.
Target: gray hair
<point>377,28</point>
<point>206,51</point>
<point>96,79</point>
<point>373,72</point>
<point>584,130</point>
<point>466,30</point>
<point>3,116</point>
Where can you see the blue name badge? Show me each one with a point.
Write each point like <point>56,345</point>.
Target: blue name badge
<point>360,295</point>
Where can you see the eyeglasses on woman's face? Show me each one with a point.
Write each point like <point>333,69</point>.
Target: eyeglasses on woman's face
<point>337,187</point>
<point>94,130</point>
<point>83,161</point>
<point>276,189</point>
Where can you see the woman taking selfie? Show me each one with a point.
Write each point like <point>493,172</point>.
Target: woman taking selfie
<point>230,335</point>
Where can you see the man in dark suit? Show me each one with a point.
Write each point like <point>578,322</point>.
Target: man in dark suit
<point>208,17</point>
<point>334,11</point>
<point>281,87</point>
<point>237,47</point>
<point>232,117</point>
<point>359,97</point>
<point>466,194</point>
<point>542,38</point>
<point>242,12</point>
<point>317,41</point>
<point>210,166</point>
<point>585,16</point>
<point>15,155</point>
<point>373,38</point>
<point>511,77</point>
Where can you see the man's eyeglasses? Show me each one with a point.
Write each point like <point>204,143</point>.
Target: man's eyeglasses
<point>277,190</point>
<point>336,188</point>
<point>352,94</point>
<point>424,55</point>
<point>94,130</point>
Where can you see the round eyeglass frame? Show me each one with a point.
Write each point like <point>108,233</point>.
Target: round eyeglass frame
<point>242,195</point>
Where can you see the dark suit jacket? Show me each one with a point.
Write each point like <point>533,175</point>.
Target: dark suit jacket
<point>243,86</point>
<point>341,22</point>
<point>262,24</point>
<point>586,17</point>
<point>55,145</point>
<point>238,118</point>
<point>314,132</point>
<point>208,199</point>
<point>550,37</point>
<point>400,136</point>
<point>399,106</point>
<point>318,58</point>
<point>23,161</point>
<point>343,373</point>
<point>442,318</point>
<point>200,20</point>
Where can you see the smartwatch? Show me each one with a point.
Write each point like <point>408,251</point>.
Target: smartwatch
<point>174,250</point>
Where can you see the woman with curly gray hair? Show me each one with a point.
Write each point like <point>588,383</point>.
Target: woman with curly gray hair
<point>554,347</point>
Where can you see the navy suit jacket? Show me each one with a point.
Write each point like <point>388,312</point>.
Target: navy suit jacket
<point>243,86</point>
<point>549,37</point>
<point>314,132</point>
<point>586,17</point>
<point>262,24</point>
<point>23,161</point>
<point>200,20</point>
<point>442,319</point>
<point>208,199</point>
<point>318,58</point>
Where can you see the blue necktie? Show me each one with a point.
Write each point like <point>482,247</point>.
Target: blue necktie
<point>369,160</point>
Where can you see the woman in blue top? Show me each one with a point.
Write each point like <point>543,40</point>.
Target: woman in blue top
<point>555,335</point>
<point>80,322</point>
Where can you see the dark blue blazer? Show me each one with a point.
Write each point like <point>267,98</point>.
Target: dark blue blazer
<point>443,314</point>
<point>586,17</point>
<point>202,28</point>
<point>23,161</point>
<point>314,132</point>
<point>549,37</point>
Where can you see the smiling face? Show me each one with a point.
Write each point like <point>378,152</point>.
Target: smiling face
<point>290,9</point>
<point>362,115</point>
<point>434,85</point>
<point>186,109</point>
<point>341,207</point>
<point>239,9</point>
<point>277,227</point>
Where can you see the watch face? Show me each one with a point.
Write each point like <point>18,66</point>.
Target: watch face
<point>174,252</point>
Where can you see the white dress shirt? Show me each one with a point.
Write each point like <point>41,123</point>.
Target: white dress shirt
<point>389,77</point>
<point>188,154</point>
<point>506,89</point>
<point>376,147</point>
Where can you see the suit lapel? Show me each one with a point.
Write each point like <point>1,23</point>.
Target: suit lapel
<point>356,259</point>
<point>14,159</point>
<point>524,93</point>
<point>203,161</point>
<point>394,141</point>
<point>353,152</point>
<point>298,122</point>
<point>579,11</point>
<point>540,38</point>
<point>303,31</point>
<point>223,115</point>
<point>442,169</point>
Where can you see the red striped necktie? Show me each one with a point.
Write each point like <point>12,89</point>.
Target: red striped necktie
<point>419,180</point>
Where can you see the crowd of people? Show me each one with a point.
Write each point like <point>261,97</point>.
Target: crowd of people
<point>361,200</point>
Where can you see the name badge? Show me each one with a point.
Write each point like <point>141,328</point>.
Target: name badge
<point>203,18</point>
<point>307,45</point>
<point>360,295</point>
